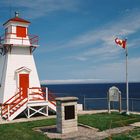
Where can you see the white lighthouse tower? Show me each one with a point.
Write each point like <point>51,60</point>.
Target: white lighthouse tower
<point>18,75</point>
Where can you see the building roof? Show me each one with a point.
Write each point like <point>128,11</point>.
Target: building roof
<point>17,19</point>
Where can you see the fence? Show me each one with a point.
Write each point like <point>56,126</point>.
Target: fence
<point>102,103</point>
<point>90,103</point>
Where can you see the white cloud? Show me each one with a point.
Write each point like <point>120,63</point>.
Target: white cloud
<point>34,9</point>
<point>114,71</point>
<point>72,81</point>
<point>104,37</point>
<point>110,72</point>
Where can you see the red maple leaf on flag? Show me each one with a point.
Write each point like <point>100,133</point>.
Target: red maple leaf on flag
<point>120,42</point>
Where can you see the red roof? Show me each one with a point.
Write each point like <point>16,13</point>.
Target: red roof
<point>17,19</point>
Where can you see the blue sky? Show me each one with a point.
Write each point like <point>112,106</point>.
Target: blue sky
<point>77,37</point>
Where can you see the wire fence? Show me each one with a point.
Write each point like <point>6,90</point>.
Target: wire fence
<point>102,103</point>
<point>90,103</point>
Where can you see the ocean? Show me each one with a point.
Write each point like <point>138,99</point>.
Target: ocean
<point>93,96</point>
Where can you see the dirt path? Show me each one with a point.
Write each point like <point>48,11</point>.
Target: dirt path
<point>84,133</point>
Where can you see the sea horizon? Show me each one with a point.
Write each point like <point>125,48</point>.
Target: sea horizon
<point>80,81</point>
<point>93,91</point>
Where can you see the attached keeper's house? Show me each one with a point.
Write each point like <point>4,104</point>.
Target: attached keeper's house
<point>20,88</point>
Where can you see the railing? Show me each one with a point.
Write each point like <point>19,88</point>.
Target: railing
<point>102,103</point>
<point>41,94</point>
<point>12,99</point>
<point>18,100</point>
<point>33,39</point>
<point>51,98</point>
<point>9,106</point>
<point>37,94</point>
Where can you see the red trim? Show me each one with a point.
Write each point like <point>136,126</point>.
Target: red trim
<point>51,98</point>
<point>17,19</point>
<point>18,98</point>
<point>39,93</point>
<point>32,38</point>
<point>36,99</point>
<point>18,107</point>
<point>52,103</point>
<point>12,103</point>
<point>12,98</point>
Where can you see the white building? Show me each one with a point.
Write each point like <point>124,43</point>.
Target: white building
<point>19,83</point>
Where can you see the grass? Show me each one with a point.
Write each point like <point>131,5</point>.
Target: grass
<point>24,130</point>
<point>105,121</point>
<point>133,135</point>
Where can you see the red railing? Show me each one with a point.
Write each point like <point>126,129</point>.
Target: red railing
<point>10,104</point>
<point>51,98</point>
<point>40,94</point>
<point>32,38</point>
<point>17,101</point>
<point>36,94</point>
<point>13,97</point>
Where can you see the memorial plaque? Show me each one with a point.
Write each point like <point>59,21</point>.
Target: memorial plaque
<point>114,95</point>
<point>69,112</point>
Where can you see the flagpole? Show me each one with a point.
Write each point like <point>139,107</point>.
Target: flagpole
<point>127,86</point>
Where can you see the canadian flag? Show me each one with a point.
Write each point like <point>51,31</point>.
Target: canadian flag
<point>121,42</point>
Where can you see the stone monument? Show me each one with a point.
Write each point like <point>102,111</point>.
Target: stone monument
<point>66,111</point>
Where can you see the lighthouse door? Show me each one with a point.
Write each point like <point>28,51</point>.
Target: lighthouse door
<point>24,83</point>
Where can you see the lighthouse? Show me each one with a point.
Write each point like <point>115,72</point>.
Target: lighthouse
<point>19,83</point>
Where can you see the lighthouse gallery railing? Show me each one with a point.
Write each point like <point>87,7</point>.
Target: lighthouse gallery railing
<point>32,38</point>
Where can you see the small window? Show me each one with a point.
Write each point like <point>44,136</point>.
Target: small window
<point>21,31</point>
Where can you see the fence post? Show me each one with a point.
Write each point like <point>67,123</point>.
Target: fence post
<point>84,103</point>
<point>132,104</point>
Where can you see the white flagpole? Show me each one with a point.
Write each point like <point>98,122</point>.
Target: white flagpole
<point>127,86</point>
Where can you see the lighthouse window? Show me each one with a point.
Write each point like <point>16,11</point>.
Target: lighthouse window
<point>21,31</point>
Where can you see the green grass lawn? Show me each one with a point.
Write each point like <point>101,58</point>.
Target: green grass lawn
<point>24,131</point>
<point>133,135</point>
<point>105,121</point>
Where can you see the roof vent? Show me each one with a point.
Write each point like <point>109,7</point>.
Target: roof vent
<point>16,14</point>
